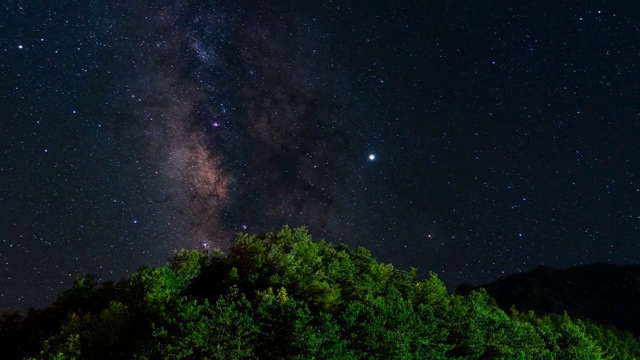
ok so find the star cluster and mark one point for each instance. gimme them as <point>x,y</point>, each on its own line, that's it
<point>471,140</point>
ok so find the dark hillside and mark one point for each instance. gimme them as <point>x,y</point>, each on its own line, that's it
<point>605,293</point>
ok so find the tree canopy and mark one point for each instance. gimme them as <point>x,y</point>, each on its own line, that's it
<point>284,296</point>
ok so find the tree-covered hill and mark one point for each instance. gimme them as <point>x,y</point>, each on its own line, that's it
<point>606,293</point>
<point>284,296</point>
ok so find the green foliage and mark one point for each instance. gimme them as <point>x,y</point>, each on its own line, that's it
<point>391,328</point>
<point>284,296</point>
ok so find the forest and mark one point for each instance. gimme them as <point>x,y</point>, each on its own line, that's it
<point>286,296</point>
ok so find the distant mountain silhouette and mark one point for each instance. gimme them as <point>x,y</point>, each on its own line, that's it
<point>604,293</point>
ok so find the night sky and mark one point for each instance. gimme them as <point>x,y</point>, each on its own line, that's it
<point>468,139</point>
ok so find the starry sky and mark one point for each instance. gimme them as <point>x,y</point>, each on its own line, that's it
<point>472,140</point>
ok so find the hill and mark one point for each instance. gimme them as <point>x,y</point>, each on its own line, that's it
<point>605,293</point>
<point>284,296</point>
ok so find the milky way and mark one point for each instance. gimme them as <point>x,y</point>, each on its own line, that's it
<point>204,84</point>
<point>168,100</point>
